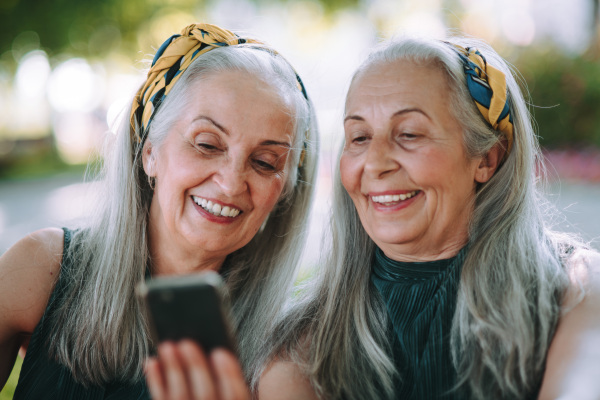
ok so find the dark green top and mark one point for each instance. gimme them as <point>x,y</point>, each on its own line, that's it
<point>420,298</point>
<point>44,378</point>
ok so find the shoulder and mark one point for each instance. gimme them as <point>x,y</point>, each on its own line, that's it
<point>583,292</point>
<point>574,353</point>
<point>28,272</point>
<point>285,379</point>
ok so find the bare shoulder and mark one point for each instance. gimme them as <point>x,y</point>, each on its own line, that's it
<point>590,259</point>
<point>574,354</point>
<point>284,379</point>
<point>28,272</point>
<point>584,290</point>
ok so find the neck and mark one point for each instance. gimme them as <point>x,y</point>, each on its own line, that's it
<point>168,257</point>
<point>419,253</point>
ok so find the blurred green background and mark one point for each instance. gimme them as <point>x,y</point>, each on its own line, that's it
<point>68,67</point>
<point>64,64</point>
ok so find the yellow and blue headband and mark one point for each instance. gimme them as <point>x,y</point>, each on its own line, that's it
<point>487,86</point>
<point>172,58</point>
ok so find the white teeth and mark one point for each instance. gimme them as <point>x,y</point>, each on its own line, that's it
<point>216,208</point>
<point>393,198</point>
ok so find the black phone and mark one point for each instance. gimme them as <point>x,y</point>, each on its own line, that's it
<point>188,306</point>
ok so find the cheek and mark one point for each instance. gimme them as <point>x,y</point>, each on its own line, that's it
<point>434,166</point>
<point>451,178</point>
<point>268,193</point>
<point>349,173</point>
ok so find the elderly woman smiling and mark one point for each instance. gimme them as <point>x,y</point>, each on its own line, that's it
<point>444,280</point>
<point>214,170</point>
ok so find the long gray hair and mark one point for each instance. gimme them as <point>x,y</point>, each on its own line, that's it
<point>512,281</point>
<point>99,330</point>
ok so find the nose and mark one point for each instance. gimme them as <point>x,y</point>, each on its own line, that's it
<point>379,160</point>
<point>232,177</point>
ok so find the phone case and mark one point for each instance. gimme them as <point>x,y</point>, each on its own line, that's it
<point>191,307</point>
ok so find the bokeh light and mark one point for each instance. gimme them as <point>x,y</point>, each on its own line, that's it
<point>78,135</point>
<point>75,86</point>
<point>28,107</point>
<point>518,26</point>
<point>32,75</point>
<point>325,42</point>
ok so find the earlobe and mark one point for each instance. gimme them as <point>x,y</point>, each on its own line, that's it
<point>148,159</point>
<point>489,163</point>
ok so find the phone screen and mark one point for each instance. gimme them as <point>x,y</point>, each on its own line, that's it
<point>189,307</point>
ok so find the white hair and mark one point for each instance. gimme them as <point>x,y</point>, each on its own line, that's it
<point>512,280</point>
<point>99,330</point>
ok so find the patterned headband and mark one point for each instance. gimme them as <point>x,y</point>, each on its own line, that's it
<point>487,86</point>
<point>172,58</point>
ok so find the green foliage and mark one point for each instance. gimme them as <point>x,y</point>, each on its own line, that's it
<point>9,389</point>
<point>566,95</point>
<point>333,5</point>
<point>34,164</point>
<point>93,28</point>
<point>82,27</point>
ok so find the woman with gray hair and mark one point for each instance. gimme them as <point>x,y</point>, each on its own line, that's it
<point>444,280</point>
<point>213,171</point>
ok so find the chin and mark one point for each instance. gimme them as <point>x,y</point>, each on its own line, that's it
<point>392,239</point>
<point>393,233</point>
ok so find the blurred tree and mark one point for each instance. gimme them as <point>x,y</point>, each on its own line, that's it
<point>91,28</point>
<point>82,27</point>
<point>566,95</point>
<point>594,49</point>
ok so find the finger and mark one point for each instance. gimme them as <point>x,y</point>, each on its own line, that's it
<point>155,379</point>
<point>230,378</point>
<point>173,371</point>
<point>200,376</point>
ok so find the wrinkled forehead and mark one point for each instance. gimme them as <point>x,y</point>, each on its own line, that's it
<point>383,77</point>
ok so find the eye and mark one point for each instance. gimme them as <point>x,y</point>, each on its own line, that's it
<point>408,136</point>
<point>207,147</point>
<point>268,162</point>
<point>409,140</point>
<point>357,138</point>
<point>360,139</point>
<point>264,166</point>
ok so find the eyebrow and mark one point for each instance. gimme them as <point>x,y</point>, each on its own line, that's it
<point>222,128</point>
<point>212,121</point>
<point>275,143</point>
<point>396,114</point>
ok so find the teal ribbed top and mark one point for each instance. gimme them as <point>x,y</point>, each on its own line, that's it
<point>420,298</point>
<point>43,378</point>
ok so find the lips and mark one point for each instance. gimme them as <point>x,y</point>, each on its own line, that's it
<point>215,208</point>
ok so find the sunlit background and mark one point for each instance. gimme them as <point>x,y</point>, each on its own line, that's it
<point>65,69</point>
<point>68,68</point>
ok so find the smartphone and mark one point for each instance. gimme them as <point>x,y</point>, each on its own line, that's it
<point>188,306</point>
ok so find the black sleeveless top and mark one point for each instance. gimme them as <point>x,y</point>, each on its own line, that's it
<point>43,378</point>
<point>420,299</point>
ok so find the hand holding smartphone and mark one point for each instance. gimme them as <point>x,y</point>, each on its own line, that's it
<point>188,306</point>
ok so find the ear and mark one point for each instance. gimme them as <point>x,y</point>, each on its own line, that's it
<point>148,159</point>
<point>490,162</point>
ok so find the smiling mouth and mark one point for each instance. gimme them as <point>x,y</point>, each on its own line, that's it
<point>390,199</point>
<point>216,208</point>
